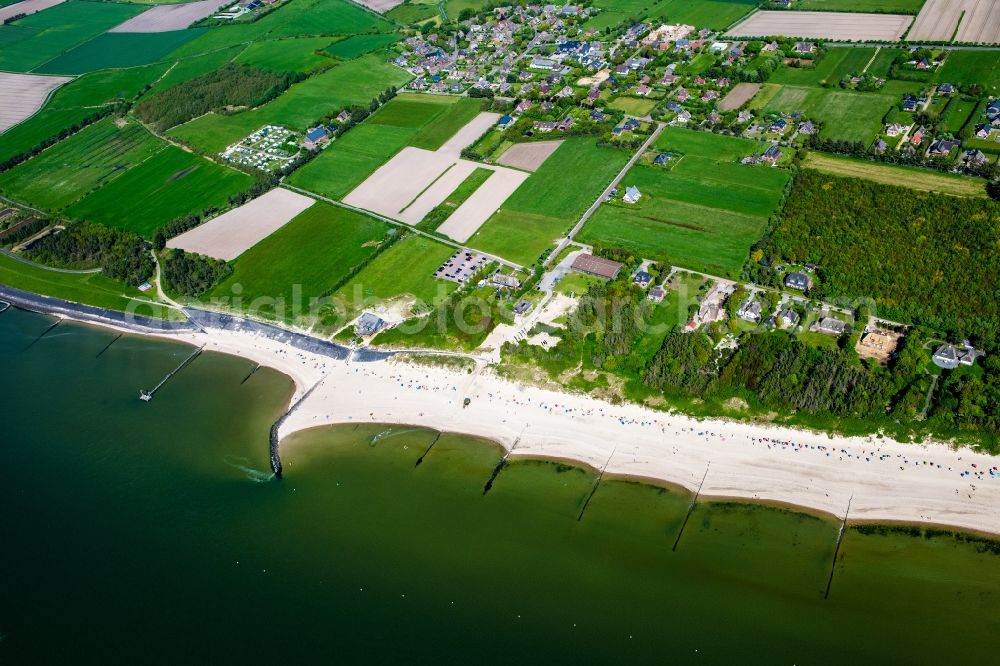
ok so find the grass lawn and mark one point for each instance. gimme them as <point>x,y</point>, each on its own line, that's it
<point>305,259</point>
<point>883,61</point>
<point>90,289</point>
<point>171,184</point>
<point>832,67</point>
<point>972,67</point>
<point>405,269</point>
<point>85,161</point>
<point>914,178</point>
<point>879,6</point>
<point>358,45</point>
<point>633,105</point>
<point>354,82</point>
<point>40,37</point>
<point>957,113</point>
<point>846,115</point>
<point>550,201</point>
<point>301,54</point>
<point>119,49</point>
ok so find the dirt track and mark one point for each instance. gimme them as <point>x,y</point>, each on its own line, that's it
<point>233,233</point>
<point>23,94</point>
<point>824,25</point>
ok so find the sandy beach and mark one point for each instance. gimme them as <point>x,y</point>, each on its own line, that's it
<point>880,479</point>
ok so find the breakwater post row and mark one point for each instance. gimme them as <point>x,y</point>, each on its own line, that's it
<point>424,454</point>
<point>146,396</point>
<point>43,334</point>
<point>274,439</point>
<point>597,484</point>
<point>500,465</point>
<point>108,346</point>
<point>694,503</point>
<point>836,551</point>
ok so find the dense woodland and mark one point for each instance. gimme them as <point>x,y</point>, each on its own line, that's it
<point>191,274</point>
<point>924,258</point>
<point>229,86</point>
<point>120,254</point>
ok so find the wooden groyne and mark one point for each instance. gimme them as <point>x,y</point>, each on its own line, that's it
<point>252,373</point>
<point>499,467</point>
<point>43,334</point>
<point>836,551</point>
<point>694,503</point>
<point>424,454</point>
<point>108,346</point>
<point>274,440</point>
<point>597,484</point>
<point>146,396</point>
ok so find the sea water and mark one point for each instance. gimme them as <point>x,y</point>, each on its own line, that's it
<point>139,532</point>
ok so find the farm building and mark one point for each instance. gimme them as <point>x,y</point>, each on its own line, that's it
<point>596,266</point>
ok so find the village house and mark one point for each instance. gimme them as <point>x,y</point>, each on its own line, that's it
<point>800,281</point>
<point>641,279</point>
<point>830,326</point>
<point>788,318</point>
<point>750,310</point>
<point>632,195</point>
<point>368,325</point>
<point>657,294</point>
<point>949,356</point>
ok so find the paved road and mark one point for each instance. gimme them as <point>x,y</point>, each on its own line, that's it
<point>397,223</point>
<point>69,271</point>
<point>607,191</point>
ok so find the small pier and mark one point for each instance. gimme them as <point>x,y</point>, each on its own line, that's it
<point>836,551</point>
<point>146,396</point>
<point>424,454</point>
<point>108,346</point>
<point>597,484</point>
<point>43,334</point>
<point>694,503</point>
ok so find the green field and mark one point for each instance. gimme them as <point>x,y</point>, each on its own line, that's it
<point>831,68</point>
<point>40,37</point>
<point>74,102</point>
<point>413,11</point>
<point>845,114</point>
<point>119,50</point>
<point>354,82</point>
<point>318,17</point>
<point>83,162</point>
<point>358,45</point>
<point>422,120</point>
<point>957,113</point>
<point>305,259</point>
<point>550,201</point>
<point>981,68</point>
<point>405,269</point>
<point>717,14</point>
<point>89,289</point>
<point>169,185</point>
<point>878,6</point>
<point>301,54</point>
<point>887,174</point>
<point>633,105</point>
<point>194,66</point>
<point>704,213</point>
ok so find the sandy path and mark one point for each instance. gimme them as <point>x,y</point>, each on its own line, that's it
<point>21,95</point>
<point>824,25</point>
<point>471,215</point>
<point>234,232</point>
<point>163,18</point>
<point>26,7</point>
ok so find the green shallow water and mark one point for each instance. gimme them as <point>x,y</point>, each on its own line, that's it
<point>151,533</point>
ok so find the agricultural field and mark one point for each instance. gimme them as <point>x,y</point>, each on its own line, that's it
<point>354,82</point>
<point>21,95</point>
<point>404,270</point>
<point>167,17</point>
<point>119,50</point>
<point>913,178</point>
<point>836,63</point>
<point>423,121</point>
<point>413,11</point>
<point>195,66</point>
<point>824,25</point>
<point>846,115</point>
<point>550,201</point>
<point>85,161</point>
<point>878,6</point>
<point>716,14</point>
<point>169,185</point>
<point>32,41</point>
<point>311,17</point>
<point>703,213</point>
<point>311,256</point>
<point>970,21</point>
<point>298,54</point>
<point>359,45</point>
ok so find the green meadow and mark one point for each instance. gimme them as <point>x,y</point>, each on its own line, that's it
<point>413,11</point>
<point>171,184</point>
<point>34,40</point>
<point>119,50</point>
<point>981,68</point>
<point>353,83</point>
<point>716,14</point>
<point>358,45</point>
<point>879,6</point>
<point>704,213</point>
<point>299,54</point>
<point>550,201</point>
<point>845,114</point>
<point>87,160</point>
<point>305,259</point>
